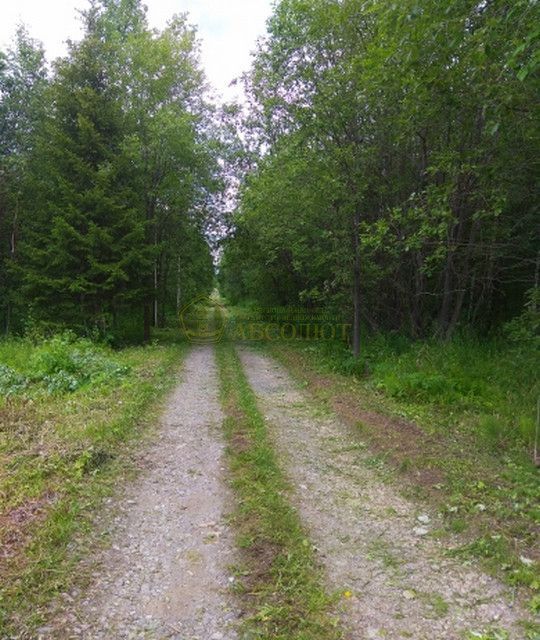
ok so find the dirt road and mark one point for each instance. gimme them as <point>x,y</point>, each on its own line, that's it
<point>166,574</point>
<point>376,546</point>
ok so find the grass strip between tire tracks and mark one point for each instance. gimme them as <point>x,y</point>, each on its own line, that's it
<point>279,580</point>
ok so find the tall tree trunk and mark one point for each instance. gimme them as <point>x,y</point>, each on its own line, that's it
<point>536,283</point>
<point>463,282</point>
<point>12,256</point>
<point>149,293</point>
<point>447,292</point>
<point>178,287</point>
<point>148,305</point>
<point>356,284</point>
<point>156,295</point>
<point>7,325</point>
<point>147,321</point>
<point>163,291</point>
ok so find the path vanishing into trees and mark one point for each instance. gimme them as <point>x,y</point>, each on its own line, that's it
<point>168,572</point>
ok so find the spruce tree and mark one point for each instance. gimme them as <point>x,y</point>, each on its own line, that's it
<point>84,242</point>
<point>120,175</point>
<point>23,79</point>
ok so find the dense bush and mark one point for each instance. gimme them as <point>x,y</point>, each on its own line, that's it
<point>60,364</point>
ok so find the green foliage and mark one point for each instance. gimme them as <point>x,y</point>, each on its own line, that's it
<point>525,329</point>
<point>494,382</point>
<point>418,386</point>
<point>495,634</point>
<point>107,175</point>
<point>10,381</point>
<point>85,441</point>
<point>64,363</point>
<point>60,364</point>
<point>497,382</point>
<point>494,429</point>
<point>23,82</point>
<point>395,167</point>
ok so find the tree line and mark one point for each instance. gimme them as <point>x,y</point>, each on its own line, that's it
<point>108,174</point>
<point>392,153</point>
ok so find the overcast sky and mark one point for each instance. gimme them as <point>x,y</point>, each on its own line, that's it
<point>228,29</point>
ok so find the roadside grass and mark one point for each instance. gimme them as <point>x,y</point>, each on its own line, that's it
<point>67,436</point>
<point>425,407</point>
<point>279,579</point>
<point>494,381</point>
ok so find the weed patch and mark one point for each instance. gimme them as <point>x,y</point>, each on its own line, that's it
<point>60,364</point>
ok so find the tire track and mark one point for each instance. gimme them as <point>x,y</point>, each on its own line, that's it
<point>374,544</point>
<point>166,572</point>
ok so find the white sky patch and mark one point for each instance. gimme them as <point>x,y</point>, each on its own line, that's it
<point>228,30</point>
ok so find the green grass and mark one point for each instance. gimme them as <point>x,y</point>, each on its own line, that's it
<point>16,353</point>
<point>494,381</point>
<point>279,580</point>
<point>58,364</point>
<point>474,404</point>
<point>62,450</point>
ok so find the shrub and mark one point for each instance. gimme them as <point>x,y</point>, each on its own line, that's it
<point>59,364</point>
<point>65,363</point>
<point>10,381</point>
<point>417,385</point>
<point>525,329</point>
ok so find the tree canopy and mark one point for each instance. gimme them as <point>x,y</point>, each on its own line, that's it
<point>108,166</point>
<point>383,167</point>
<point>396,179</point>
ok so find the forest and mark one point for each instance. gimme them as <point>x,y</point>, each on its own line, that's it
<point>385,165</point>
<point>108,177</point>
<point>180,454</point>
<point>393,173</point>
